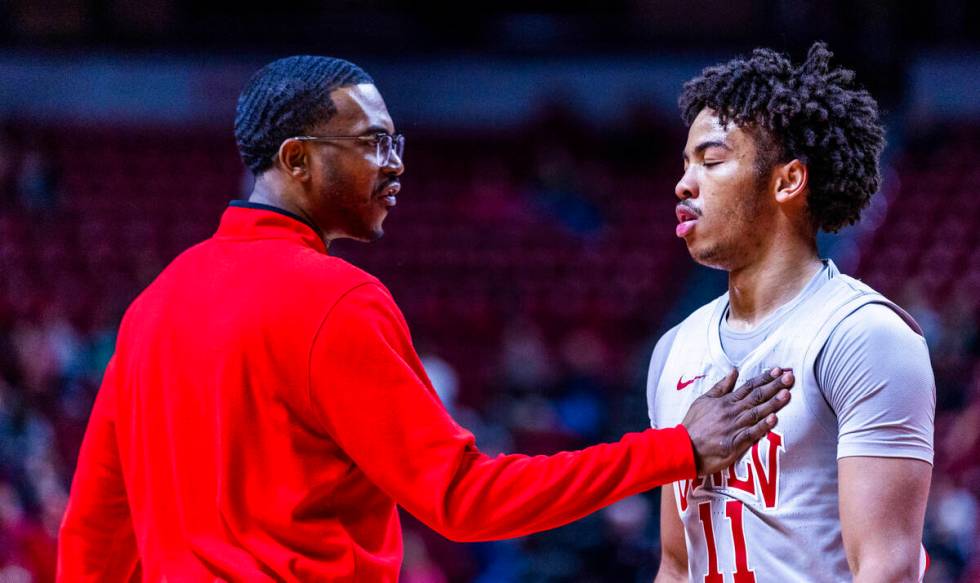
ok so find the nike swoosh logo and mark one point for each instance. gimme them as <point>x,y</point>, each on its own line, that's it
<point>682,384</point>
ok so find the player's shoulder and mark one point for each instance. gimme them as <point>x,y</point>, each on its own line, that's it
<point>875,314</point>
<point>696,318</point>
<point>658,360</point>
<point>878,321</point>
<point>873,346</point>
<point>662,349</point>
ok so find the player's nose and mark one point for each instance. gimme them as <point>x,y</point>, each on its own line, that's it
<point>687,186</point>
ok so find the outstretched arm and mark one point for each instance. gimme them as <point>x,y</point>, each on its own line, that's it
<point>374,399</point>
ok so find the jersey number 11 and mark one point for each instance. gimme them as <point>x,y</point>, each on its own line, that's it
<point>733,511</point>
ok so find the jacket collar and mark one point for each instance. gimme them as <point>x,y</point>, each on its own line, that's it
<point>251,220</point>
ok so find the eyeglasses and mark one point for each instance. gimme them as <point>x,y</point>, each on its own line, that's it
<point>384,144</point>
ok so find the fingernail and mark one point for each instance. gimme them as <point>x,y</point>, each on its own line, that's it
<point>787,378</point>
<point>771,420</point>
<point>775,372</point>
<point>783,395</point>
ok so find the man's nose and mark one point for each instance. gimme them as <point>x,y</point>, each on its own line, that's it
<point>686,187</point>
<point>395,164</point>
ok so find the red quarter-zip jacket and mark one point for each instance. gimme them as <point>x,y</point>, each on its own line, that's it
<point>264,414</point>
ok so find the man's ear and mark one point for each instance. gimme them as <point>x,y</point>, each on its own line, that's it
<point>293,159</point>
<point>792,179</point>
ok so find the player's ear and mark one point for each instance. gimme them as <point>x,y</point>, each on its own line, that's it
<point>792,179</point>
<point>293,159</point>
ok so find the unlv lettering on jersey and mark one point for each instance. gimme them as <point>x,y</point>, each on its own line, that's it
<point>756,474</point>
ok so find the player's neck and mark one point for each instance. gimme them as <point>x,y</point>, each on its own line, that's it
<point>759,288</point>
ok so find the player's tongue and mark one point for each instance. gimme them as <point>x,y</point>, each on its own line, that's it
<point>684,228</point>
<point>687,220</point>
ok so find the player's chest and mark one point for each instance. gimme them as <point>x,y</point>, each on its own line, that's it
<point>805,435</point>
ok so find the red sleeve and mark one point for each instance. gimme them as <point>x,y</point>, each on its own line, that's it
<point>373,397</point>
<point>96,542</point>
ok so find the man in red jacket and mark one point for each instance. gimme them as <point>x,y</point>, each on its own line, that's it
<point>265,410</point>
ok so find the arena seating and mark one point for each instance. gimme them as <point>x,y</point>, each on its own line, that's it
<point>486,233</point>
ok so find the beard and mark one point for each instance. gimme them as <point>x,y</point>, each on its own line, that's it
<point>354,214</point>
<point>363,223</point>
<point>740,232</point>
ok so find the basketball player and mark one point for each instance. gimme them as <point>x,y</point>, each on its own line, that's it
<point>776,152</point>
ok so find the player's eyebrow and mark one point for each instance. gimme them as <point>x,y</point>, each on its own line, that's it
<point>700,148</point>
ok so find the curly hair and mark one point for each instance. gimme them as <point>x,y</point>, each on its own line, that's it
<point>286,98</point>
<point>813,113</point>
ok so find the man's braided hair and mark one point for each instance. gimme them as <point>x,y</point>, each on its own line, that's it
<point>813,113</point>
<point>287,98</point>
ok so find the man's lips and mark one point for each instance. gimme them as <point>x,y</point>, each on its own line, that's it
<point>687,219</point>
<point>388,193</point>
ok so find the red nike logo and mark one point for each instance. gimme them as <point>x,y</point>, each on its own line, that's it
<point>682,384</point>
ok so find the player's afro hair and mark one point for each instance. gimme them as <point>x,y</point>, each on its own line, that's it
<point>813,113</point>
<point>287,98</point>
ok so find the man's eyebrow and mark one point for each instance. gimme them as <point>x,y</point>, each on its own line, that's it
<point>708,144</point>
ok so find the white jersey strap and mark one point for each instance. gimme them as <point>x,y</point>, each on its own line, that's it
<point>924,561</point>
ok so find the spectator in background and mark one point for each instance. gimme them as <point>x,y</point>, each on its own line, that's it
<point>419,567</point>
<point>37,180</point>
<point>582,393</point>
<point>629,539</point>
<point>8,168</point>
<point>525,360</point>
<point>556,187</point>
<point>27,549</point>
<point>444,379</point>
<point>951,529</point>
<point>492,198</point>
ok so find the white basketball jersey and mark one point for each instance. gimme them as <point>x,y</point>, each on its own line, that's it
<point>773,516</point>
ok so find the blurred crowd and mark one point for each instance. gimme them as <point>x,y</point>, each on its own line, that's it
<point>49,371</point>
<point>951,535</point>
<point>525,354</point>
